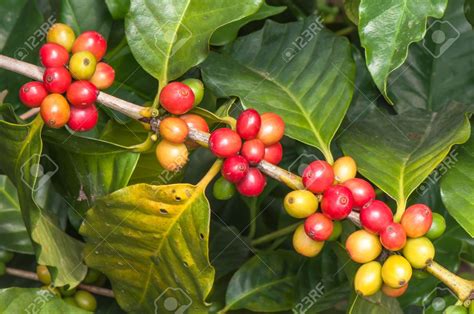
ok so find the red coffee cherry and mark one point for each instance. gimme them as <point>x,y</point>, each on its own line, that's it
<point>318,227</point>
<point>393,238</point>
<point>104,76</point>
<point>417,220</point>
<point>32,94</point>
<point>83,119</point>
<point>177,98</point>
<point>375,216</point>
<point>235,168</point>
<point>272,128</point>
<point>82,94</point>
<point>57,80</point>
<point>248,124</point>
<point>224,143</point>
<point>337,202</point>
<point>91,41</point>
<point>196,122</point>
<point>318,176</point>
<point>362,191</point>
<point>253,151</point>
<point>55,110</point>
<point>252,184</point>
<point>273,153</point>
<point>53,55</point>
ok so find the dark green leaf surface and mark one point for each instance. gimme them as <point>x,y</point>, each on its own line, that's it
<point>118,8</point>
<point>168,38</point>
<point>228,33</point>
<point>436,74</point>
<point>379,303</point>
<point>457,187</point>
<point>13,234</point>
<point>265,283</point>
<point>21,148</point>
<point>34,300</point>
<point>309,87</point>
<point>152,243</point>
<point>86,15</point>
<point>408,146</point>
<point>386,29</point>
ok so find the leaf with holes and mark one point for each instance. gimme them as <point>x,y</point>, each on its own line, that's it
<point>409,147</point>
<point>169,37</point>
<point>387,28</point>
<point>152,243</point>
<point>310,88</point>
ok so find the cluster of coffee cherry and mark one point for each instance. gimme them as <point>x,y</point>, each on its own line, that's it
<point>340,192</point>
<point>79,76</point>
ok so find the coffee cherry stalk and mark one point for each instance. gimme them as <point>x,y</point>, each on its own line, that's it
<point>250,152</point>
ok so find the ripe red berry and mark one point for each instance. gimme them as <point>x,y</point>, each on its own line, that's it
<point>417,220</point>
<point>252,184</point>
<point>248,124</point>
<point>56,80</point>
<point>32,94</point>
<point>91,41</point>
<point>177,98</point>
<point>362,191</point>
<point>318,227</point>
<point>82,94</point>
<point>83,119</point>
<point>393,238</point>
<point>375,216</point>
<point>253,151</point>
<point>224,143</point>
<point>318,176</point>
<point>104,76</point>
<point>337,202</point>
<point>235,168</point>
<point>273,153</point>
<point>272,128</point>
<point>53,55</point>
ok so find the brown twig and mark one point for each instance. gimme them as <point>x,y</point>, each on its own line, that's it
<point>29,113</point>
<point>32,276</point>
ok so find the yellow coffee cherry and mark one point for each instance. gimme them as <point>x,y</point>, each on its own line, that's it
<point>304,245</point>
<point>419,252</point>
<point>368,279</point>
<point>300,203</point>
<point>396,271</point>
<point>345,168</point>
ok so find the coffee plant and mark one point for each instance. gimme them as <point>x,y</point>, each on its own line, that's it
<point>214,156</point>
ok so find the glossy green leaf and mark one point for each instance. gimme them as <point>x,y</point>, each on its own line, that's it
<point>86,15</point>
<point>13,234</point>
<point>408,148</point>
<point>379,303</point>
<point>351,8</point>
<point>457,187</point>
<point>118,8</point>
<point>229,32</point>
<point>169,37</point>
<point>435,74</point>
<point>297,70</point>
<point>387,28</point>
<point>34,300</point>
<point>152,243</point>
<point>265,283</point>
<point>22,149</point>
<point>469,10</point>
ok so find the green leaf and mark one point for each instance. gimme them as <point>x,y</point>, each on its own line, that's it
<point>376,304</point>
<point>309,87</point>
<point>168,38</point>
<point>22,150</point>
<point>34,300</point>
<point>265,283</point>
<point>387,28</point>
<point>13,234</point>
<point>457,187</point>
<point>469,10</point>
<point>86,15</point>
<point>408,148</point>
<point>229,32</point>
<point>152,243</point>
<point>118,8</point>
<point>436,74</point>
<point>351,8</point>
